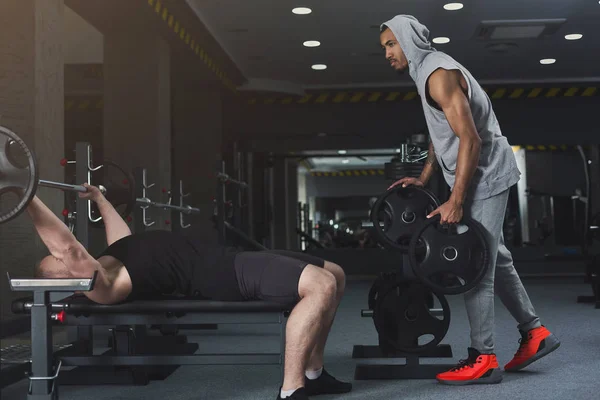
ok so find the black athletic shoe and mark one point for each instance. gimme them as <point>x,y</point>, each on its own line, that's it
<point>299,394</point>
<point>326,384</point>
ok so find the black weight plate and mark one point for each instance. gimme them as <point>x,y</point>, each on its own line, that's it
<point>378,285</point>
<point>18,175</point>
<point>450,259</point>
<point>402,316</point>
<point>397,213</point>
<point>397,169</point>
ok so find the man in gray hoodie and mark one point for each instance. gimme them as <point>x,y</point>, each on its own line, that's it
<point>479,165</point>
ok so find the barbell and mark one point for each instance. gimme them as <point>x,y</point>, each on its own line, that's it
<point>19,177</point>
<point>66,186</point>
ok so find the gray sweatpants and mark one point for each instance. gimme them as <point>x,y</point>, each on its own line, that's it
<point>501,279</point>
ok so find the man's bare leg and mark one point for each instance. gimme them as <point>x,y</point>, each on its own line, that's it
<point>317,290</point>
<point>317,355</point>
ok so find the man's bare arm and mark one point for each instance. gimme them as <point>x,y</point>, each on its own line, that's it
<point>446,91</point>
<point>115,227</point>
<point>54,233</point>
<point>430,165</point>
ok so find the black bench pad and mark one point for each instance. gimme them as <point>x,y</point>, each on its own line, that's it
<point>81,304</point>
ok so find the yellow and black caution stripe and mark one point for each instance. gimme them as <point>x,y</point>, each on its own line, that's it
<point>350,97</point>
<point>547,147</point>
<point>178,29</point>
<point>350,173</point>
<point>534,93</point>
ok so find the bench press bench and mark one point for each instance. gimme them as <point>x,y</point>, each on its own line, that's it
<point>130,344</point>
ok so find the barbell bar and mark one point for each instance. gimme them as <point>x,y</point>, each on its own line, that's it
<point>67,187</point>
<point>146,202</point>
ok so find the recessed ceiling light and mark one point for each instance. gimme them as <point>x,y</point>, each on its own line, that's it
<point>301,10</point>
<point>342,152</point>
<point>547,61</point>
<point>345,161</point>
<point>453,6</point>
<point>441,40</point>
<point>312,43</point>
<point>574,36</point>
<point>319,67</point>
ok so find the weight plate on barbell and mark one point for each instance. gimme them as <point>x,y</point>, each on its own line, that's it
<point>18,175</point>
<point>397,213</point>
<point>450,259</point>
<point>404,321</point>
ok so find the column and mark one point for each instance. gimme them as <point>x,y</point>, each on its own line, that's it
<point>31,105</point>
<point>137,107</point>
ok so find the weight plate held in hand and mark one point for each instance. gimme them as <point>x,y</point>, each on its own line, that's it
<point>450,259</point>
<point>404,321</point>
<point>397,213</point>
<point>18,175</point>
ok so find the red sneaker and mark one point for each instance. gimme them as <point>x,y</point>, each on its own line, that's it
<point>534,345</point>
<point>478,368</point>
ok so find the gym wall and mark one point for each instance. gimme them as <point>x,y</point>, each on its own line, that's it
<point>282,128</point>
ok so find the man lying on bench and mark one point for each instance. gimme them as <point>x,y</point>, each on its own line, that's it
<point>162,262</point>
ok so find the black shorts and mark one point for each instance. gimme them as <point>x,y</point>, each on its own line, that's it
<point>272,275</point>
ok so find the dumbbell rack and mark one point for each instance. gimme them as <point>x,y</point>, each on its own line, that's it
<point>413,368</point>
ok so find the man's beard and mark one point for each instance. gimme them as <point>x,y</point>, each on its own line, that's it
<point>401,71</point>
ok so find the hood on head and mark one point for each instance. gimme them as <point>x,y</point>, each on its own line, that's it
<point>413,38</point>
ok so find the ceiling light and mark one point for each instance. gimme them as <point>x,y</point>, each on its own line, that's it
<point>574,36</point>
<point>345,161</point>
<point>319,67</point>
<point>453,6</point>
<point>312,43</point>
<point>547,61</point>
<point>441,40</point>
<point>342,152</point>
<point>301,10</point>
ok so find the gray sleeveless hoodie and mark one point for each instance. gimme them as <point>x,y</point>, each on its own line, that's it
<point>497,169</point>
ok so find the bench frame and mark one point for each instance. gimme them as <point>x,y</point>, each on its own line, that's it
<point>129,336</point>
<point>139,320</point>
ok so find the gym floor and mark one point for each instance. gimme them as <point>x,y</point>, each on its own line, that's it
<point>570,372</point>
